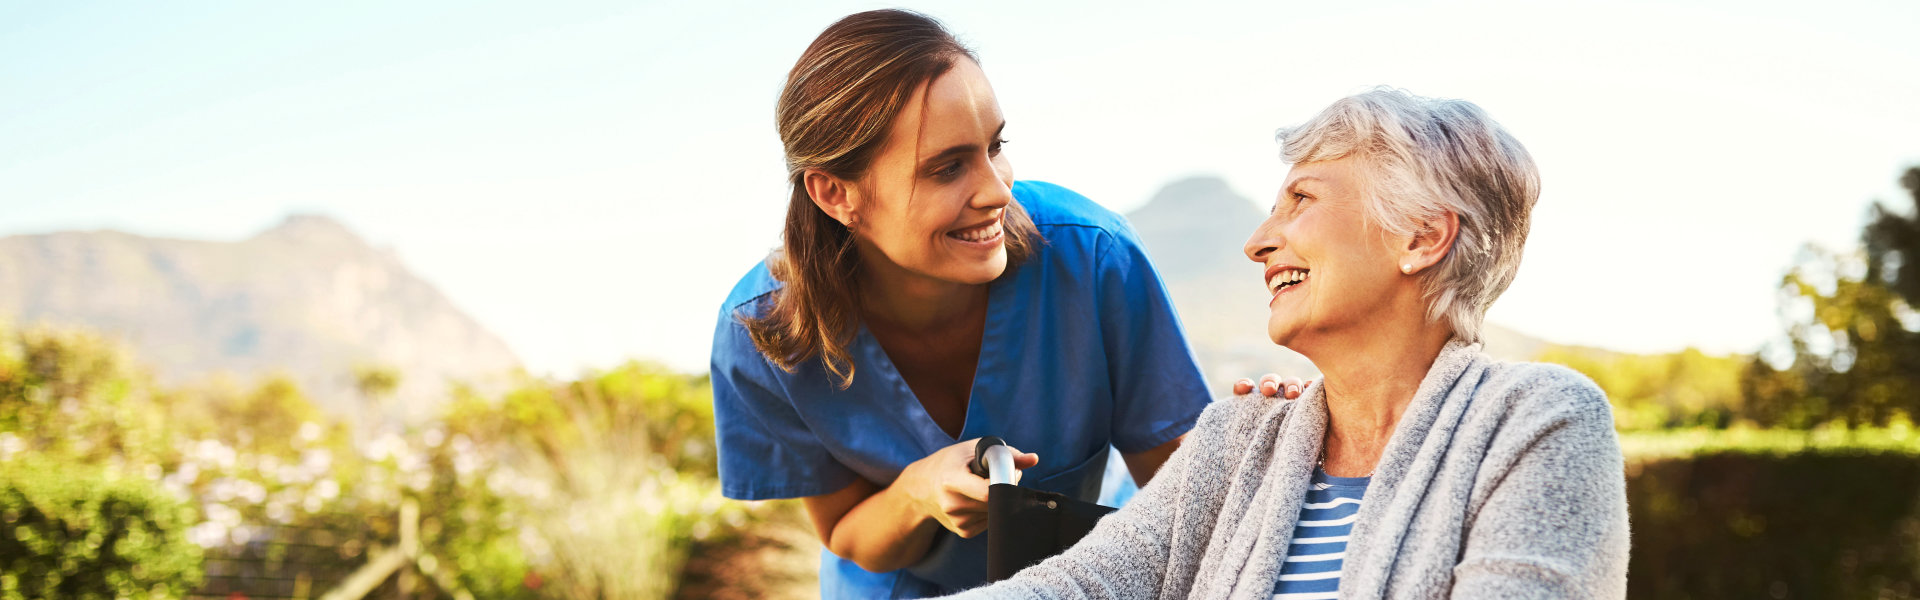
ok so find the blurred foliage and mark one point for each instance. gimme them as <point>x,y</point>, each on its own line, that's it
<point>80,533</point>
<point>591,488</point>
<point>1900,437</point>
<point>618,470</point>
<point>1656,391</point>
<point>375,381</point>
<point>73,394</point>
<point>1853,337</point>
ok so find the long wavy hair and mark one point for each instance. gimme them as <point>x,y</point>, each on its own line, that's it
<point>840,100</point>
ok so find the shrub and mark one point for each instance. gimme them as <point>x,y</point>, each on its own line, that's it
<point>616,471</point>
<point>67,531</point>
<point>1829,523</point>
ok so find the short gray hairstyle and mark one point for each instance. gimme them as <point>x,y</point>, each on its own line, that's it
<point>1424,157</point>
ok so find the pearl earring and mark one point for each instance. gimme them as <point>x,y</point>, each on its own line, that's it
<point>1408,269</point>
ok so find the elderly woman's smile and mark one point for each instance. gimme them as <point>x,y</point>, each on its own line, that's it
<point>1284,278</point>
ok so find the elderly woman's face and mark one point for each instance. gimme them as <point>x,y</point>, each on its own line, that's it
<point>1325,264</point>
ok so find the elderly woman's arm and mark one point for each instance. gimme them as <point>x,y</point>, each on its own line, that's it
<point>1555,524</point>
<point>1125,556</point>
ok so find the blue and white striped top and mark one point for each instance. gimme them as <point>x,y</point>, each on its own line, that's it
<point>1319,546</point>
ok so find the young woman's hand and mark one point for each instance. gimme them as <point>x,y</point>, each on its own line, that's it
<point>942,487</point>
<point>1271,386</point>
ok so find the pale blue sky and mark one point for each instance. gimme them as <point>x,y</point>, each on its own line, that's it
<point>588,179</point>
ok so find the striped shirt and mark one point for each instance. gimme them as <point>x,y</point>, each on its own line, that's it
<point>1319,546</point>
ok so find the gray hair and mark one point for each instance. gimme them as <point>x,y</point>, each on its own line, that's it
<point>1422,158</point>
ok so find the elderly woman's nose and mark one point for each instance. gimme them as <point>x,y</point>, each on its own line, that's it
<point>1260,245</point>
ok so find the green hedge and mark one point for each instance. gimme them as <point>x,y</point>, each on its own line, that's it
<point>1817,524</point>
<point>68,531</point>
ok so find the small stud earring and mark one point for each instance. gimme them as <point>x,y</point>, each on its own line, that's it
<point>1408,269</point>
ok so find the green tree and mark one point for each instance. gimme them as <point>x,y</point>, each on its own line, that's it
<point>1851,331</point>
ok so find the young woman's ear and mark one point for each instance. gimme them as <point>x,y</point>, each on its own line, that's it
<point>1430,242</point>
<point>833,195</point>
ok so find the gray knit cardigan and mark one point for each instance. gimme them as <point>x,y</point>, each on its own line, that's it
<point>1502,480</point>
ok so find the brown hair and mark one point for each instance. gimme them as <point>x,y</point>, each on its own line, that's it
<point>840,100</point>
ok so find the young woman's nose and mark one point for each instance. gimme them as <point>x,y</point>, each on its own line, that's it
<point>996,191</point>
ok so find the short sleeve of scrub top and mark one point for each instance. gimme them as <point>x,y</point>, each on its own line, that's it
<point>1082,352</point>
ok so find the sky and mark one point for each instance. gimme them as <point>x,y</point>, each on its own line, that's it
<point>588,179</point>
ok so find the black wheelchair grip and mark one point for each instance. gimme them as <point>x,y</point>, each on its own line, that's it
<point>979,464</point>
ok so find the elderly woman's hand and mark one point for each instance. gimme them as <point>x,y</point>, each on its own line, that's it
<point>1272,386</point>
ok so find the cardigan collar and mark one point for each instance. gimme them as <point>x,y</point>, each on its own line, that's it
<point>1410,460</point>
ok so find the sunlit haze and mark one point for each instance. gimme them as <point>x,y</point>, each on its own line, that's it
<point>589,179</point>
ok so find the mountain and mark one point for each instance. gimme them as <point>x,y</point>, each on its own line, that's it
<point>1194,229</point>
<point>307,298</point>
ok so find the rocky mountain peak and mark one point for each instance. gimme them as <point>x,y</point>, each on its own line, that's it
<point>1196,225</point>
<point>308,297</point>
<point>1203,195</point>
<point>311,228</point>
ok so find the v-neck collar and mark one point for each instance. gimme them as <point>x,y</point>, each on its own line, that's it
<point>1271,508</point>
<point>912,414</point>
<point>1414,453</point>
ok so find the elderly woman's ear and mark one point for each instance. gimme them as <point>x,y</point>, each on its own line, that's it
<point>1430,243</point>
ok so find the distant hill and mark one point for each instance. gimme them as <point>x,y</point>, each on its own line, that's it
<point>1194,229</point>
<point>308,298</point>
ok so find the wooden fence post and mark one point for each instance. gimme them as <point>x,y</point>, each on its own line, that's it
<point>407,558</point>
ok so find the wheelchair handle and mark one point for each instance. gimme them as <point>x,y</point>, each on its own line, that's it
<point>993,459</point>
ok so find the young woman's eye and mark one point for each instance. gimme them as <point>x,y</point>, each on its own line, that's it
<point>948,170</point>
<point>994,148</point>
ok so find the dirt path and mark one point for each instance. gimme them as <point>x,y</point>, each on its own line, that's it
<point>776,558</point>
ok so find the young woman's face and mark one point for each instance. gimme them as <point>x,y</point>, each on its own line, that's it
<point>1325,264</point>
<point>932,201</point>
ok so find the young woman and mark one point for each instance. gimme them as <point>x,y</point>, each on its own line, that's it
<point>922,299</point>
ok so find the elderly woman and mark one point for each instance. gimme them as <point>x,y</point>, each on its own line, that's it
<point>1417,467</point>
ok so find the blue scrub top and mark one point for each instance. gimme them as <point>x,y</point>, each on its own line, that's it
<point>1082,351</point>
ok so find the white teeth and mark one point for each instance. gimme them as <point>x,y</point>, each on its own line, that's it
<point>980,234</point>
<point>1286,277</point>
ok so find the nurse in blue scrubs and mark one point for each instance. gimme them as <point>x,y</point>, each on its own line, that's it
<point>924,298</point>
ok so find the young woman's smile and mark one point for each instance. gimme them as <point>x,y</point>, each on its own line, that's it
<point>984,236</point>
